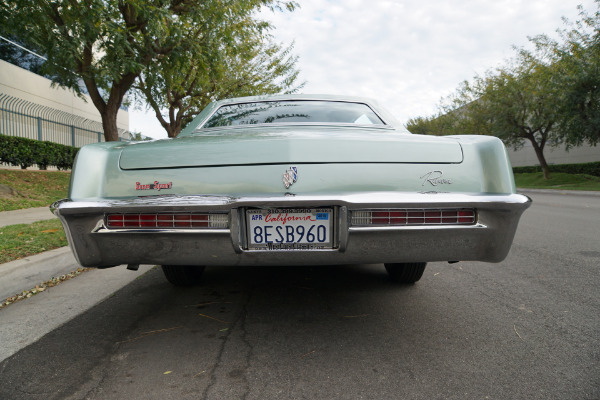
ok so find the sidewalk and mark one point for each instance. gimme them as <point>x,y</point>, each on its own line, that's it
<point>20,322</point>
<point>24,274</point>
<point>25,216</point>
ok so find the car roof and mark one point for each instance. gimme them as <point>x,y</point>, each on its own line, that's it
<point>280,97</point>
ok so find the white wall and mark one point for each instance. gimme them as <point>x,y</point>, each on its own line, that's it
<point>26,85</point>
<point>554,155</point>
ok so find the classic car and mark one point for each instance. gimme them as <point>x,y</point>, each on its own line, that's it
<point>292,180</point>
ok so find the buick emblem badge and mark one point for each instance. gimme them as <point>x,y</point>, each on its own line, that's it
<point>290,176</point>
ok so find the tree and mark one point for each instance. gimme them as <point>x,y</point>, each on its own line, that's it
<point>515,103</point>
<point>440,124</point>
<point>109,43</point>
<point>576,56</point>
<point>548,96</point>
<point>248,65</point>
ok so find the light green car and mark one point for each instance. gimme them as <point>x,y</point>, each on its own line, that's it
<point>292,180</point>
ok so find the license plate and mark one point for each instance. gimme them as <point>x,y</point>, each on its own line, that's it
<point>290,229</point>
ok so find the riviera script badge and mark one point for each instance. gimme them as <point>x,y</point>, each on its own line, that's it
<point>435,179</point>
<point>290,176</point>
<point>153,186</point>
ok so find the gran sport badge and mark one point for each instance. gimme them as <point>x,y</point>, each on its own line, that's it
<point>156,185</point>
<point>290,176</point>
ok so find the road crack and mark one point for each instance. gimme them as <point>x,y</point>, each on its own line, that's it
<point>233,358</point>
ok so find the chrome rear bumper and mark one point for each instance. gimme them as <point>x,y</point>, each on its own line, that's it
<point>94,245</point>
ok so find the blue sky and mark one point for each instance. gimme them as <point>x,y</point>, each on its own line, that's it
<point>407,54</point>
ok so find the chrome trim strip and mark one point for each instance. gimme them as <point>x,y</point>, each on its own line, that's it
<point>311,124</point>
<point>343,232</point>
<point>174,203</point>
<point>238,227</point>
<point>413,227</point>
<point>207,231</point>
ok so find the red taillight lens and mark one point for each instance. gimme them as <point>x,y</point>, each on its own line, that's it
<point>114,221</point>
<point>389,217</point>
<point>395,217</point>
<point>164,220</point>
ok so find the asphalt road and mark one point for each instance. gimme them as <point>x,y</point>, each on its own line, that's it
<point>527,328</point>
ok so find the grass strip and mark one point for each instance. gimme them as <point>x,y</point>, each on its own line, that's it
<point>22,240</point>
<point>558,180</point>
<point>35,188</point>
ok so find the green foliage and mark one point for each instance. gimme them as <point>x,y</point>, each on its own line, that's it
<point>515,103</point>
<point>583,168</point>
<point>107,44</point>
<point>559,181</point>
<point>576,59</point>
<point>548,96</point>
<point>24,152</point>
<point>443,124</point>
<point>235,60</point>
<point>426,125</point>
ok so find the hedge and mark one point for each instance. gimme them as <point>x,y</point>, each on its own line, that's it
<point>592,168</point>
<point>24,152</point>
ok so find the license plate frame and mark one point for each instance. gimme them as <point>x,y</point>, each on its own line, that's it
<point>276,229</point>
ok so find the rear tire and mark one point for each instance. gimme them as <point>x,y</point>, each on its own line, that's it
<point>405,272</point>
<point>183,275</point>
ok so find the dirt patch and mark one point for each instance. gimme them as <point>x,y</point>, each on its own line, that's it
<point>7,191</point>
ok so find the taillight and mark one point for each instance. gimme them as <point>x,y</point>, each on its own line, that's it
<point>404,217</point>
<point>166,220</point>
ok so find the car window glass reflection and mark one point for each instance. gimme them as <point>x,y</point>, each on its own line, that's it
<point>293,112</point>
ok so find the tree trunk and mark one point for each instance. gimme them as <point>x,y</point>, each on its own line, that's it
<point>174,129</point>
<point>539,152</point>
<point>109,124</point>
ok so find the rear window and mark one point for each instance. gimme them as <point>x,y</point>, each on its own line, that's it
<point>297,111</point>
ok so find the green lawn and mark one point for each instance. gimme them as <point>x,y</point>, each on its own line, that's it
<point>557,180</point>
<point>22,240</point>
<point>35,188</point>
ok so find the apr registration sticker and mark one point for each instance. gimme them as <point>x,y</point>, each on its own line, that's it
<point>289,229</point>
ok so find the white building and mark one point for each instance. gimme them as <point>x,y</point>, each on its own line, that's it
<point>554,155</point>
<point>30,107</point>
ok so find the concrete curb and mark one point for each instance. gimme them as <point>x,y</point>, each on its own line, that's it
<point>24,274</point>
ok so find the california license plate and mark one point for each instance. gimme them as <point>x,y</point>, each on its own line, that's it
<point>290,229</point>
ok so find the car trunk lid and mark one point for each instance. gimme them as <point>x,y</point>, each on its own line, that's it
<point>300,145</point>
